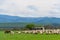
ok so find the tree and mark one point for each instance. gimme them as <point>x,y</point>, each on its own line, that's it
<point>30,26</point>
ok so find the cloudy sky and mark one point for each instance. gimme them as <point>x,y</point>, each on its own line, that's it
<point>30,8</point>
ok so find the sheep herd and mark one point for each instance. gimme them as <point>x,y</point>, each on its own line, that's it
<point>26,32</point>
<point>48,31</point>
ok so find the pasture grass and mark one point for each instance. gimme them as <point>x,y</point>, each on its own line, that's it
<point>22,36</point>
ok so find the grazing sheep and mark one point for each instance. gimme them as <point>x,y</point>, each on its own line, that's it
<point>25,31</point>
<point>50,31</point>
<point>41,32</point>
<point>55,31</point>
<point>47,32</point>
<point>58,31</point>
<point>8,31</point>
<point>18,32</point>
<point>29,31</point>
<point>12,32</point>
<point>35,32</point>
<point>22,32</point>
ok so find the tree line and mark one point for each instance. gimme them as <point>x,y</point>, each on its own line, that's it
<point>17,26</point>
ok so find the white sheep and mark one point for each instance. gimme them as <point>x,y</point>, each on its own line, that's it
<point>12,32</point>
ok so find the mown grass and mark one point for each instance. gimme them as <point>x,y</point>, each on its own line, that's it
<point>15,36</point>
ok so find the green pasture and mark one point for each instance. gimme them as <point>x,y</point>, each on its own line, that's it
<point>22,36</point>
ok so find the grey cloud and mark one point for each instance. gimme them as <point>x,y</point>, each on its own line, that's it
<point>32,7</point>
<point>27,7</point>
<point>2,2</point>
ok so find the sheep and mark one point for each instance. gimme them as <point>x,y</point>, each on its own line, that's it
<point>11,32</point>
<point>58,31</point>
<point>55,31</point>
<point>41,32</point>
<point>35,32</point>
<point>18,32</point>
<point>29,32</point>
<point>24,31</point>
<point>47,32</point>
<point>8,31</point>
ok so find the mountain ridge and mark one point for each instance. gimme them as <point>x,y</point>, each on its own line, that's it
<point>43,20</point>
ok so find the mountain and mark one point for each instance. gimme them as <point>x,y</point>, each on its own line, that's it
<point>42,20</point>
<point>6,18</point>
<point>51,20</point>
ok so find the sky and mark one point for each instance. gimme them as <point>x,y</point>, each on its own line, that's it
<point>30,8</point>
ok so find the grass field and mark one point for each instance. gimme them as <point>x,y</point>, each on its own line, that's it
<point>28,36</point>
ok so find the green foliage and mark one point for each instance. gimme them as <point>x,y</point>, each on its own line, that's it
<point>12,24</point>
<point>30,26</point>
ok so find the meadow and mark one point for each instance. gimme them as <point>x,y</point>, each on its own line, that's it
<point>23,36</point>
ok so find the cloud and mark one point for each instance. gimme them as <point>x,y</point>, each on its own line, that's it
<point>30,8</point>
<point>1,2</point>
<point>55,11</point>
